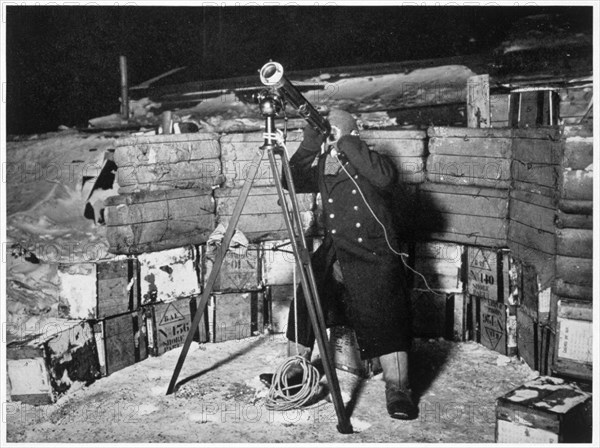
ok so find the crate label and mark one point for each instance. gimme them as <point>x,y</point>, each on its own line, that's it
<point>493,325</point>
<point>239,270</point>
<point>575,340</point>
<point>173,327</point>
<point>511,432</point>
<point>482,272</point>
<point>544,298</point>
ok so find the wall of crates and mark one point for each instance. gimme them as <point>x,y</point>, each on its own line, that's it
<point>497,223</point>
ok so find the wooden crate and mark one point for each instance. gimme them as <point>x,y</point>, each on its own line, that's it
<point>98,290</point>
<point>168,324</point>
<point>278,263</point>
<point>239,272</point>
<point>535,300</point>
<point>534,108</point>
<point>167,162</point>
<point>346,354</point>
<point>544,410</point>
<point>28,379</point>
<point>469,156</point>
<point>169,275</point>
<point>121,341</point>
<point>494,325</point>
<point>439,315</point>
<point>238,316</point>
<point>574,340</point>
<point>262,216</point>
<point>149,221</point>
<point>441,265</point>
<point>405,149</point>
<point>72,356</point>
<point>488,273</point>
<point>535,343</point>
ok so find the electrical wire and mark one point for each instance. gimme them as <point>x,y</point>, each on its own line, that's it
<point>400,254</point>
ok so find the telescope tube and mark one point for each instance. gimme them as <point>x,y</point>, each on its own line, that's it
<point>271,75</point>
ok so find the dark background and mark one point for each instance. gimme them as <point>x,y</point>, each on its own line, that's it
<point>63,62</point>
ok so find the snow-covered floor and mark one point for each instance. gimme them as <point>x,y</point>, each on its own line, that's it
<point>222,400</point>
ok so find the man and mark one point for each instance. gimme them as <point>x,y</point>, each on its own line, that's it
<point>358,270</point>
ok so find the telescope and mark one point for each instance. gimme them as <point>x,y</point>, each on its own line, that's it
<point>272,75</point>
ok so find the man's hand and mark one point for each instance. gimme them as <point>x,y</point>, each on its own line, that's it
<point>313,139</point>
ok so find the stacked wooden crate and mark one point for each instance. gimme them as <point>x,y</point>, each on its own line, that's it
<point>491,276</point>
<point>165,192</point>
<point>437,293</point>
<point>572,289</point>
<point>236,309</point>
<point>466,197</point>
<point>261,218</point>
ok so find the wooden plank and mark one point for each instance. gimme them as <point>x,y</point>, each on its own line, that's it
<point>531,237</point>
<point>538,174</point>
<point>472,133</point>
<point>493,147</point>
<point>168,275</point>
<point>194,174</point>
<point>163,149</point>
<point>576,310</point>
<point>239,271</point>
<point>478,101</point>
<point>473,226</point>
<point>527,339</point>
<point>537,151</point>
<point>159,235</point>
<point>393,136</point>
<point>482,171</point>
<point>460,238</point>
<point>464,190</point>
<point>532,215</point>
<point>143,197</point>
<point>571,291</point>
<point>537,189</point>
<point>577,185</point>
<point>578,271</point>
<point>170,210</point>
<point>580,130</point>
<point>492,324</point>
<point>118,287</point>
<point>574,342</point>
<point>478,205</point>
<point>579,153</point>
<point>574,206</point>
<point>575,242</point>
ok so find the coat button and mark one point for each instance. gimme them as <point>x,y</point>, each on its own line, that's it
<point>356,176</point>
<point>360,240</point>
<point>356,207</point>
<point>332,215</point>
<point>330,200</point>
<point>357,225</point>
<point>333,231</point>
<point>353,191</point>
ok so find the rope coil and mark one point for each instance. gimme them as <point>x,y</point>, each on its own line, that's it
<point>283,396</point>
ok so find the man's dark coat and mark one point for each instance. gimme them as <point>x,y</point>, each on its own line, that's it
<point>374,298</point>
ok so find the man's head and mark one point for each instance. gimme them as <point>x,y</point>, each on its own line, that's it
<point>342,123</point>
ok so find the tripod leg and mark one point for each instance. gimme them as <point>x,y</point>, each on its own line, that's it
<point>223,248</point>
<point>309,286</point>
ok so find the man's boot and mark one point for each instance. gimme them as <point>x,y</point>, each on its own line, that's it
<point>397,391</point>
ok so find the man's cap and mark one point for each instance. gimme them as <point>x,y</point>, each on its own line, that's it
<point>343,120</point>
